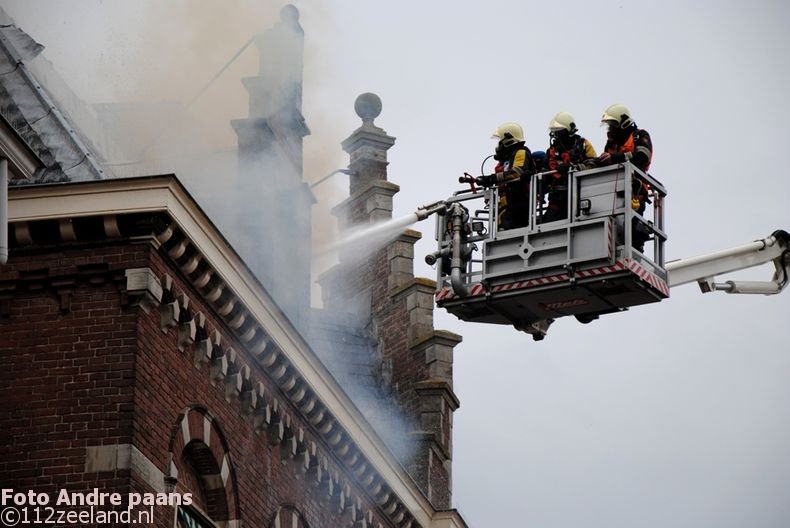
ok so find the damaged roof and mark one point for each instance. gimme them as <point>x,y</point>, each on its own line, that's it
<point>31,110</point>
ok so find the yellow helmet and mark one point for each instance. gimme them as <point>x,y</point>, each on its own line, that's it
<point>617,114</point>
<point>562,121</point>
<point>509,134</point>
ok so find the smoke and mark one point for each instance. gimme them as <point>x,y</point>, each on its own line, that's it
<point>208,36</point>
<point>178,112</point>
<point>354,357</point>
<point>156,94</point>
<point>149,97</point>
<point>182,46</point>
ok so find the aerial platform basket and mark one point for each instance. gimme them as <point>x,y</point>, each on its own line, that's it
<point>584,266</point>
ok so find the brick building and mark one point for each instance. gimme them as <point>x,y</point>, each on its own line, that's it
<point>142,353</point>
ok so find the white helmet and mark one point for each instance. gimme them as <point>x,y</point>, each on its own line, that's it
<point>509,134</point>
<point>562,121</point>
<point>618,115</point>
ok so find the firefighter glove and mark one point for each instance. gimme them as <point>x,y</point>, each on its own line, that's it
<point>562,168</point>
<point>621,157</point>
<point>488,180</point>
<point>605,158</point>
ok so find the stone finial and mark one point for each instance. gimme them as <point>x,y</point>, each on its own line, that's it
<point>367,147</point>
<point>368,107</point>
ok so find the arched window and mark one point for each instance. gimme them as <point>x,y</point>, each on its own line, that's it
<point>287,516</point>
<point>201,465</point>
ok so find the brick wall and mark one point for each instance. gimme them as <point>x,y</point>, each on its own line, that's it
<point>82,368</point>
<point>67,360</point>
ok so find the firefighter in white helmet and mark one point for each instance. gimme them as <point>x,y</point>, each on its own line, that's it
<point>512,174</point>
<point>627,142</point>
<point>567,151</point>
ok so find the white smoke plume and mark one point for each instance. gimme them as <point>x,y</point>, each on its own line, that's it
<point>162,105</point>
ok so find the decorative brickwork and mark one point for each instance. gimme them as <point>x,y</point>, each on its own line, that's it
<point>401,309</point>
<point>201,459</point>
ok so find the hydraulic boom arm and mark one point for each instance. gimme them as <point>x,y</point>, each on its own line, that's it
<point>704,269</point>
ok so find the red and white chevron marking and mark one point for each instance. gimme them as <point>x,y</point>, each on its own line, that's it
<point>553,279</point>
<point>648,277</point>
<point>478,289</point>
<point>444,294</point>
<point>594,272</point>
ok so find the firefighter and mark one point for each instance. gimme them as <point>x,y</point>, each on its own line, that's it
<point>627,142</point>
<point>512,174</point>
<point>567,150</point>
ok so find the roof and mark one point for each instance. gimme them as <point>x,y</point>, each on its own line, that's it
<point>31,110</point>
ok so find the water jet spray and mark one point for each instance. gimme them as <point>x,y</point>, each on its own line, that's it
<point>379,234</point>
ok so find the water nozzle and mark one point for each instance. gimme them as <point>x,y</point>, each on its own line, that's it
<point>427,210</point>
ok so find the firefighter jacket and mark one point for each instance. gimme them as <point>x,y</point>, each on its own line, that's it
<point>634,141</point>
<point>634,144</point>
<point>513,174</point>
<point>561,154</point>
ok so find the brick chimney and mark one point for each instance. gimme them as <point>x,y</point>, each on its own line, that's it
<point>416,357</point>
<point>273,229</point>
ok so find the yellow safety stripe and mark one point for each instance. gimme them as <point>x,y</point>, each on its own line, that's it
<point>589,150</point>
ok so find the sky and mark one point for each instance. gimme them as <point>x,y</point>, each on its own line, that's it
<point>673,414</point>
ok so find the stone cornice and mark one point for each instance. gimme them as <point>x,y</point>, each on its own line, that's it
<point>417,283</point>
<point>371,189</point>
<point>444,337</point>
<point>206,259</point>
<point>368,135</point>
<point>441,388</point>
<point>410,235</point>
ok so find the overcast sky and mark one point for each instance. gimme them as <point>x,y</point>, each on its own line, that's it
<point>674,414</point>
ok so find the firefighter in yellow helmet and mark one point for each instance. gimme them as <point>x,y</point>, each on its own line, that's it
<point>627,142</point>
<point>567,150</point>
<point>512,174</point>
<point>624,140</point>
